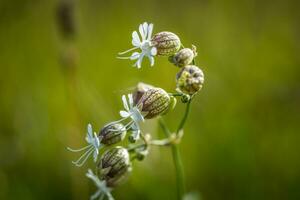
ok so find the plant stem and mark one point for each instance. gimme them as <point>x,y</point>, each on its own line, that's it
<point>194,61</point>
<point>186,113</point>
<point>176,94</point>
<point>176,154</point>
<point>177,162</point>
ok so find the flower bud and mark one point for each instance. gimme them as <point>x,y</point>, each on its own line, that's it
<point>190,79</point>
<point>140,155</point>
<point>114,165</point>
<point>154,102</point>
<point>183,57</point>
<point>166,43</point>
<point>112,133</point>
<point>131,138</point>
<point>141,88</point>
<point>185,98</point>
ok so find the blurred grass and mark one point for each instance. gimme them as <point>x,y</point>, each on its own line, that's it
<point>241,140</point>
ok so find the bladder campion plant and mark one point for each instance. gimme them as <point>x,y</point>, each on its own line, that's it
<point>146,102</point>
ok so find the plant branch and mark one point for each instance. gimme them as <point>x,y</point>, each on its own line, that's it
<point>175,151</point>
<point>186,113</point>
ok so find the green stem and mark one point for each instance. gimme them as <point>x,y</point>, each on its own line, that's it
<point>176,94</point>
<point>139,146</point>
<point>177,162</point>
<point>176,154</point>
<point>186,114</point>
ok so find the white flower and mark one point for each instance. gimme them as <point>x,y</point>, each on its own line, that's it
<point>134,113</point>
<point>130,109</point>
<point>135,131</point>
<point>103,190</point>
<point>93,148</point>
<point>143,43</point>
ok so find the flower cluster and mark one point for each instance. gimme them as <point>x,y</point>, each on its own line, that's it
<point>190,79</point>
<point>146,102</point>
<point>115,163</point>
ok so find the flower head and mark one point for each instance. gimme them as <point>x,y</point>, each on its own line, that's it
<point>92,148</point>
<point>112,133</point>
<point>184,57</point>
<point>131,110</point>
<point>166,43</point>
<point>190,79</point>
<point>103,190</point>
<point>142,42</point>
<point>154,102</point>
<point>114,166</point>
<point>134,112</point>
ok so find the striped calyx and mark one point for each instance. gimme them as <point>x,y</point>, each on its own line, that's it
<point>114,166</point>
<point>190,79</point>
<point>112,133</point>
<point>183,57</point>
<point>166,43</point>
<point>154,102</point>
<point>139,91</point>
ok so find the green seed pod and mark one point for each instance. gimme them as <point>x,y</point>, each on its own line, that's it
<point>190,79</point>
<point>183,57</point>
<point>166,43</point>
<point>114,166</point>
<point>154,102</point>
<point>112,133</point>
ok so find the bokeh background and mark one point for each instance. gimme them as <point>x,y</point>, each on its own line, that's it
<point>242,137</point>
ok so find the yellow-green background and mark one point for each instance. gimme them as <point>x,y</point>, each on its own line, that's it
<point>241,140</point>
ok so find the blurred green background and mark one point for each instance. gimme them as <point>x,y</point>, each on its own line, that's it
<point>242,137</point>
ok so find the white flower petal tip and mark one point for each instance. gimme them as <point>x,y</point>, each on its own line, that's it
<point>94,144</point>
<point>142,41</point>
<point>124,114</point>
<point>133,112</point>
<point>102,189</point>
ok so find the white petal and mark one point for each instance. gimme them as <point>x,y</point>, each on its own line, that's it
<point>151,60</point>
<point>97,141</point>
<point>125,102</point>
<point>135,131</point>
<point>150,29</point>
<point>137,115</point>
<point>96,195</point>
<point>124,113</point>
<point>135,39</point>
<point>138,64</point>
<point>88,139</point>
<point>89,135</point>
<point>109,196</point>
<point>130,100</point>
<point>141,29</point>
<point>135,56</point>
<point>139,61</point>
<point>90,130</point>
<point>96,155</point>
<point>145,28</point>
<point>153,51</point>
